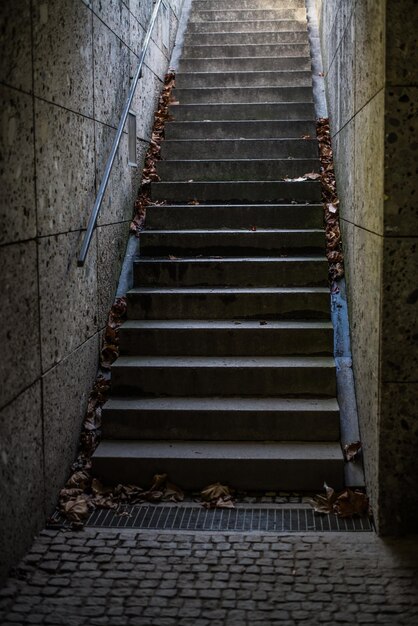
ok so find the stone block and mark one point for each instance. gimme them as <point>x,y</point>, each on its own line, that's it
<point>401,158</point>
<point>19,331</point>
<point>398,511</point>
<point>112,72</point>
<point>346,73</point>
<point>365,298</point>
<point>68,296</point>
<point>112,241</point>
<point>21,475</point>
<point>64,168</point>
<point>344,154</point>
<point>115,14</point>
<point>400,310</point>
<point>347,236</point>
<point>369,50</point>
<point>401,42</point>
<point>17,168</point>
<point>145,102</point>
<point>16,45</point>
<point>63,54</point>
<point>156,60</point>
<point>333,96</point>
<point>369,165</point>
<point>65,390</point>
<point>136,35</point>
<point>119,198</point>
<point>142,11</point>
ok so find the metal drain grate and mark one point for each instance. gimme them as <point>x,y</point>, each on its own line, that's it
<point>240,519</point>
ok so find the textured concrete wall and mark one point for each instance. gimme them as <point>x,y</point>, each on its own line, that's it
<point>65,70</point>
<point>370,59</point>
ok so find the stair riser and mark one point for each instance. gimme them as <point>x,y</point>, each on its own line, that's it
<point>243,79</point>
<point>237,130</point>
<point>239,170</point>
<point>221,425</point>
<point>254,474</point>
<point>253,26</point>
<point>223,342</point>
<point>232,112</point>
<point>246,38</point>
<point>239,149</point>
<point>231,273</point>
<point>219,5</point>
<point>245,15</point>
<point>279,192</point>
<point>231,244</point>
<point>243,94</point>
<point>245,64</point>
<point>234,216</point>
<point>254,305</point>
<point>261,49</point>
<point>224,381</point>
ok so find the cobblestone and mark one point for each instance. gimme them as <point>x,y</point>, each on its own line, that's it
<point>151,578</point>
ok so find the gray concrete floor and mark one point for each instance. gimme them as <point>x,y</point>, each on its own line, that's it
<point>159,578</point>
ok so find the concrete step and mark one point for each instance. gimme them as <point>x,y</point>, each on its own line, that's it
<point>244,49</point>
<point>224,376</point>
<point>187,216</point>
<point>219,5</point>
<point>251,95</point>
<point>248,26</point>
<point>225,338</point>
<point>243,111</point>
<point>238,192</point>
<point>246,64</point>
<point>208,16</point>
<point>244,465</point>
<point>251,36</point>
<point>198,149</point>
<point>214,419</point>
<point>262,303</point>
<point>252,129</point>
<point>238,169</point>
<point>206,80</point>
<point>295,271</point>
<point>231,242</point>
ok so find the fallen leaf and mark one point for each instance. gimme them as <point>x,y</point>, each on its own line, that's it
<point>312,176</point>
<point>331,208</point>
<point>352,450</point>
<point>253,228</point>
<point>351,503</point>
<point>215,491</point>
<point>78,480</point>
<point>172,257</point>
<point>76,510</point>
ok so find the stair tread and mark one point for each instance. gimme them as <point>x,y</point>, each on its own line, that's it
<point>223,290</point>
<point>239,450</point>
<point>319,258</point>
<point>230,324</point>
<point>225,361</point>
<point>222,403</point>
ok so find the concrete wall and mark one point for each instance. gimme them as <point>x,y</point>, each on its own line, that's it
<point>65,69</point>
<point>370,60</point>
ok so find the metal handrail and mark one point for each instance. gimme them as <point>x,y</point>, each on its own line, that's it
<point>109,164</point>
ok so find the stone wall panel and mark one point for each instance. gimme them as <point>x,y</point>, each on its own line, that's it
<point>16,45</point>
<point>66,388</point>
<point>17,167</point>
<point>19,330</point>
<point>64,168</point>
<point>63,63</point>
<point>21,475</point>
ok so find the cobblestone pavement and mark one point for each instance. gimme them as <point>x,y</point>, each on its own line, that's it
<point>163,578</point>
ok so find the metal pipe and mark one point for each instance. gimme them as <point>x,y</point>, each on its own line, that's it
<point>109,164</point>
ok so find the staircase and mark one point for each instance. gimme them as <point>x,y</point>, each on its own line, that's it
<point>226,369</point>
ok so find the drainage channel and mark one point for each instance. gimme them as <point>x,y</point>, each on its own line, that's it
<point>240,519</point>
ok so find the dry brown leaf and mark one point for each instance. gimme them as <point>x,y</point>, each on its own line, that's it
<point>78,480</point>
<point>351,503</point>
<point>312,176</point>
<point>76,510</point>
<point>215,491</point>
<point>351,450</point>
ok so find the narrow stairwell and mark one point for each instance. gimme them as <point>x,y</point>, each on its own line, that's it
<point>226,369</point>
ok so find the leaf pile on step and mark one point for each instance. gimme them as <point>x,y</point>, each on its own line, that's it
<point>83,493</point>
<point>153,155</point>
<point>217,496</point>
<point>346,503</point>
<point>91,429</point>
<point>330,199</point>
